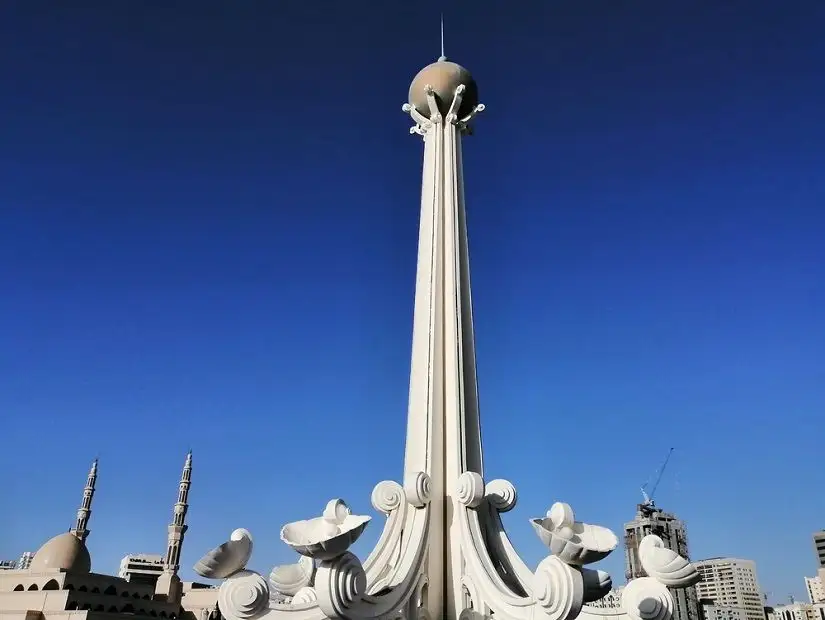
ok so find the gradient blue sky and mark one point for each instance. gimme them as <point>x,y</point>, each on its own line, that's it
<point>208,219</point>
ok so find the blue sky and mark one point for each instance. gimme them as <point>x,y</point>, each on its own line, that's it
<point>208,219</point>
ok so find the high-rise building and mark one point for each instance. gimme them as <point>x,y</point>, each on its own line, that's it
<point>816,587</point>
<point>819,547</point>
<point>653,520</point>
<point>25,560</point>
<point>141,568</point>
<point>730,583</point>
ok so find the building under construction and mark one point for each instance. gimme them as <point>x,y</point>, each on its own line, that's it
<point>653,520</point>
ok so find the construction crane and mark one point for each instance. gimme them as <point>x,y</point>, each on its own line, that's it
<point>649,496</point>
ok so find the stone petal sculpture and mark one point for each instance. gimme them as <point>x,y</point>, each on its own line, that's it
<point>228,558</point>
<point>666,565</point>
<point>443,553</point>
<point>290,579</point>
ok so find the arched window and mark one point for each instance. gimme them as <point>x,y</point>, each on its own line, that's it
<point>110,591</point>
<point>99,608</point>
<point>86,607</point>
<point>33,587</point>
<point>68,586</point>
<point>146,597</point>
<point>136,595</point>
<point>124,594</point>
<point>19,588</point>
<point>112,609</point>
<point>153,613</point>
<point>95,590</point>
<point>163,614</point>
<point>82,589</point>
<point>51,584</point>
<point>128,609</point>
<point>71,606</point>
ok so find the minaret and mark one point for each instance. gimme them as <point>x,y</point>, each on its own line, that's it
<point>168,585</point>
<point>80,528</point>
<point>443,429</point>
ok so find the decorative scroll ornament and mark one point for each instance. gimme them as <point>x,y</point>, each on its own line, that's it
<point>330,582</point>
<point>424,124</point>
<point>647,599</point>
<point>244,595</point>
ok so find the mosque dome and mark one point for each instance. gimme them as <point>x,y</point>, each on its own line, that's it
<point>444,76</point>
<point>63,552</point>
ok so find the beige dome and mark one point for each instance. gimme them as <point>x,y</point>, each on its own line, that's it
<point>64,552</point>
<point>444,76</point>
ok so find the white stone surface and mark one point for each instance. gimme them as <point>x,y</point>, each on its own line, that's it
<point>443,553</point>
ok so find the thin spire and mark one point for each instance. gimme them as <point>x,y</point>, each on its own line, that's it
<point>442,57</point>
<point>80,528</point>
<point>177,529</point>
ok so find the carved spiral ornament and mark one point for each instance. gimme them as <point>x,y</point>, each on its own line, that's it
<point>647,599</point>
<point>470,489</point>
<point>502,494</point>
<point>558,589</point>
<point>340,584</point>
<point>243,595</point>
<point>387,496</point>
<point>417,489</point>
<point>304,595</point>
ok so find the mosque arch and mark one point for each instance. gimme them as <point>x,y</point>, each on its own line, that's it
<point>68,586</point>
<point>146,597</point>
<point>110,591</point>
<point>124,594</point>
<point>136,595</point>
<point>19,587</point>
<point>51,584</point>
<point>32,587</point>
<point>82,589</point>
<point>95,590</point>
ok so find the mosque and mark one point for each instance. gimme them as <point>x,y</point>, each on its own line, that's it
<point>59,583</point>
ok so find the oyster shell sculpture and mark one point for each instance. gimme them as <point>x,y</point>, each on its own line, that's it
<point>289,579</point>
<point>226,559</point>
<point>665,565</point>
<point>327,537</point>
<point>573,542</point>
<point>597,584</point>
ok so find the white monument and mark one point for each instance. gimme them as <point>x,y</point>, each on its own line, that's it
<point>443,553</point>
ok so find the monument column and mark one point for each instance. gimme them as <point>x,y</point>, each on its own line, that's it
<point>443,430</point>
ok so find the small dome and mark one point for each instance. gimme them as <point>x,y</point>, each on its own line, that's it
<point>444,76</point>
<point>64,552</point>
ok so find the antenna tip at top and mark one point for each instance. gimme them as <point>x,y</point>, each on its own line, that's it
<point>443,57</point>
